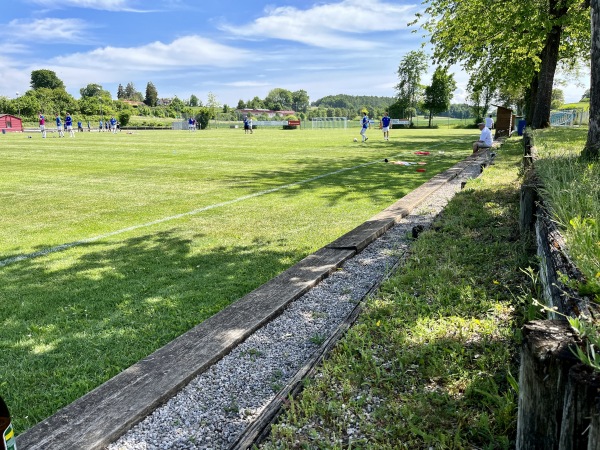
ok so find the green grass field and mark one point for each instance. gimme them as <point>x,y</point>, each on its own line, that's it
<point>113,245</point>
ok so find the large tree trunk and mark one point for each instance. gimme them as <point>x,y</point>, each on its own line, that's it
<point>530,98</point>
<point>592,147</point>
<point>549,57</point>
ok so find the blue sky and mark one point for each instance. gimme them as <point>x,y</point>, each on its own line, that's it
<point>236,49</point>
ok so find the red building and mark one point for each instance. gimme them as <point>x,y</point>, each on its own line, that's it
<point>9,122</point>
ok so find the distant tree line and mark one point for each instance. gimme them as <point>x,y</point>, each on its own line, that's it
<point>48,95</point>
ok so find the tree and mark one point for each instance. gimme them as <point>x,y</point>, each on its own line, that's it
<point>591,151</point>
<point>45,79</point>
<point>241,104</point>
<point>176,106</point>
<point>255,103</point>
<point>130,91</point>
<point>193,100</point>
<point>91,90</point>
<point>481,98</point>
<point>586,96</point>
<point>213,104</point>
<point>558,98</point>
<point>151,95</point>
<point>278,99</point>
<point>438,95</point>
<point>410,71</point>
<point>124,117</point>
<point>204,116</point>
<point>63,101</point>
<point>89,106</point>
<point>120,92</point>
<point>512,48</point>
<point>300,100</point>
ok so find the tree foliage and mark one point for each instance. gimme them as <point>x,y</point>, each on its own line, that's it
<point>353,102</point>
<point>439,93</point>
<point>300,100</point>
<point>410,71</point>
<point>586,96</point>
<point>204,116</point>
<point>558,98</point>
<point>511,47</point>
<point>278,99</point>
<point>124,117</point>
<point>481,98</point>
<point>255,103</point>
<point>45,78</point>
<point>151,95</point>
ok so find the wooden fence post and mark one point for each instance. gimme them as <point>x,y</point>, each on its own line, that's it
<point>545,363</point>
<point>527,207</point>
<point>594,437</point>
<point>583,385</point>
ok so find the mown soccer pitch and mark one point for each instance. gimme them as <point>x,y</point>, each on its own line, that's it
<point>113,245</point>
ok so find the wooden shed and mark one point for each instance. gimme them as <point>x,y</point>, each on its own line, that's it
<point>8,122</point>
<point>504,122</point>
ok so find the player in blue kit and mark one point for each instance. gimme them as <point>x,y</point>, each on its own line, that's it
<point>69,124</point>
<point>365,125</point>
<point>59,126</point>
<point>385,126</point>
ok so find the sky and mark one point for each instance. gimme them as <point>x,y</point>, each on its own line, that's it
<point>235,50</point>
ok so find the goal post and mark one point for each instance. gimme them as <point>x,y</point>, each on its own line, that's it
<point>329,122</point>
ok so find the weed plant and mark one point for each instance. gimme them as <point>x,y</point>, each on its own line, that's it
<point>432,360</point>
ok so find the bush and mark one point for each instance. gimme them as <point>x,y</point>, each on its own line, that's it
<point>202,118</point>
<point>124,117</point>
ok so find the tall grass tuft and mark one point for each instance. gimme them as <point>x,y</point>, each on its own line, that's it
<point>571,189</point>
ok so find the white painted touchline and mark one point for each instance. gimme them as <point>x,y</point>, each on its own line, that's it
<point>61,247</point>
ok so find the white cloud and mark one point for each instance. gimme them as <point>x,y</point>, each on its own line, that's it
<point>61,30</point>
<point>331,25</point>
<point>185,52</point>
<point>14,78</point>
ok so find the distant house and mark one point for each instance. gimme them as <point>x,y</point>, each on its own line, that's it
<point>8,122</point>
<point>268,112</point>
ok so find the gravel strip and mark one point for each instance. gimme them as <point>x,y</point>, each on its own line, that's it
<point>215,408</point>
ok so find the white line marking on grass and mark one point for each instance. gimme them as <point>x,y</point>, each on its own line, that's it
<point>59,248</point>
